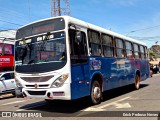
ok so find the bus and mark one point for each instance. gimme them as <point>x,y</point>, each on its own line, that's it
<point>63,58</point>
<point>6,54</point>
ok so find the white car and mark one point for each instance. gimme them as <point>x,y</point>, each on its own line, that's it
<point>7,82</point>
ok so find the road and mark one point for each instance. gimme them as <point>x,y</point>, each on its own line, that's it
<point>125,100</point>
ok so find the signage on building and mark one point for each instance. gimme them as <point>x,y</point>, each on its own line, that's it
<point>7,49</point>
<point>6,61</point>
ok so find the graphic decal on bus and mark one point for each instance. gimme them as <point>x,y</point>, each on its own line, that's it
<point>95,64</point>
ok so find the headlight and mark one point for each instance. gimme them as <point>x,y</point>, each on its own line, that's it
<point>18,84</point>
<point>60,81</point>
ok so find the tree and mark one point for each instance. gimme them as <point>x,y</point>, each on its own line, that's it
<point>152,56</point>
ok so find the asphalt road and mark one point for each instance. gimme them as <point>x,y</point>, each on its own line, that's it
<point>122,103</point>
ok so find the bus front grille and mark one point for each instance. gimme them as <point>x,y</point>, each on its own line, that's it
<point>37,92</point>
<point>37,79</point>
<point>39,86</point>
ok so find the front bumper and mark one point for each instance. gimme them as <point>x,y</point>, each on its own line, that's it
<point>61,93</point>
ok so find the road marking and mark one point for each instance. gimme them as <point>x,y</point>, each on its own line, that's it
<point>113,103</point>
<point>116,104</point>
<point>16,102</point>
<point>38,105</point>
<point>6,95</point>
<point>94,109</point>
<point>125,105</point>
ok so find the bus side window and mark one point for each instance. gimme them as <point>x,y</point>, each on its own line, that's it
<point>94,43</point>
<point>78,46</point>
<point>120,48</point>
<point>142,52</point>
<point>107,44</point>
<point>129,50</point>
<point>136,51</point>
<point>146,53</point>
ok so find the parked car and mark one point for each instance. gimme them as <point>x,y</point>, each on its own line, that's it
<point>7,82</point>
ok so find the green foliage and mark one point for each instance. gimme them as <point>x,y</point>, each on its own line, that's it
<point>152,56</point>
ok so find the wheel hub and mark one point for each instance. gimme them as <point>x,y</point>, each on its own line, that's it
<point>96,92</point>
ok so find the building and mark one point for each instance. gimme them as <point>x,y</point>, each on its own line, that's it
<point>7,50</point>
<point>155,49</point>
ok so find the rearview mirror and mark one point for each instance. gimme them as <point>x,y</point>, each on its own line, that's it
<point>2,79</point>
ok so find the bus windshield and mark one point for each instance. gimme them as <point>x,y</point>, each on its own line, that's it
<point>41,53</point>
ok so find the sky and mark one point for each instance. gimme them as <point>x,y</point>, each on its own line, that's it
<point>139,19</point>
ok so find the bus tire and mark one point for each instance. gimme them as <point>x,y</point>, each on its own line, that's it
<point>49,101</point>
<point>137,82</point>
<point>96,92</point>
<point>14,94</point>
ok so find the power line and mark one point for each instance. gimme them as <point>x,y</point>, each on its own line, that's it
<point>152,37</point>
<point>17,14</point>
<point>11,23</point>
<point>5,29</point>
<point>151,27</point>
<point>148,28</point>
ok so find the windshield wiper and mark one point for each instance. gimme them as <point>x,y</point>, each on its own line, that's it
<point>31,61</point>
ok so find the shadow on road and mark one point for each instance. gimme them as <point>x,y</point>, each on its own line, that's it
<point>110,94</point>
<point>61,107</point>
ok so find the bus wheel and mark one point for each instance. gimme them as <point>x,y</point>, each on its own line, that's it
<point>137,82</point>
<point>96,93</point>
<point>13,93</point>
<point>49,101</point>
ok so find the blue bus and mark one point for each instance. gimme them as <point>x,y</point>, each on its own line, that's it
<point>63,58</point>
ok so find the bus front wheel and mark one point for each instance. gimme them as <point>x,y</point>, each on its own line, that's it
<point>96,92</point>
<point>137,82</point>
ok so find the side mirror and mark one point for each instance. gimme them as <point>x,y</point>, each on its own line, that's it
<point>2,79</point>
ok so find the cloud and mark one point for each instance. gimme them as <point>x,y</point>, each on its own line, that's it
<point>127,2</point>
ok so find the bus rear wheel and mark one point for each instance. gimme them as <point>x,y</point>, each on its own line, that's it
<point>96,92</point>
<point>137,82</point>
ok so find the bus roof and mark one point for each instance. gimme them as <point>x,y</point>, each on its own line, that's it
<point>91,26</point>
<point>102,30</point>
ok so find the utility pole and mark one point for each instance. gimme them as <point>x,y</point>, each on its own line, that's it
<point>60,7</point>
